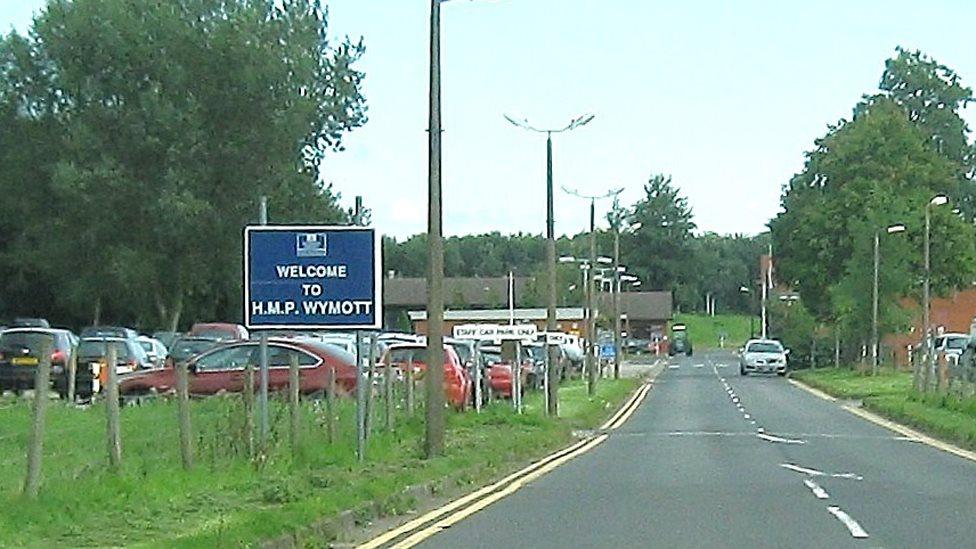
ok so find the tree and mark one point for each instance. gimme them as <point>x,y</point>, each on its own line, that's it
<point>161,127</point>
<point>866,174</point>
<point>659,250</point>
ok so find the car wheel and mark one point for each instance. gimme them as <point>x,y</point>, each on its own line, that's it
<point>781,374</point>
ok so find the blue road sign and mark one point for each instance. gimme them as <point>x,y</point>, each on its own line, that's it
<point>312,277</point>
<point>607,350</point>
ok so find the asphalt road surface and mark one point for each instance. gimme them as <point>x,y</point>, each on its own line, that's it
<point>712,459</point>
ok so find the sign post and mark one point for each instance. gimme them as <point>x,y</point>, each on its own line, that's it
<point>311,277</point>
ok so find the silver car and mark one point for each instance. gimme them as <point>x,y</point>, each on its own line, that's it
<point>763,356</point>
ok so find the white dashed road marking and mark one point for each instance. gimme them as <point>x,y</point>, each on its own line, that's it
<point>780,440</point>
<point>850,523</point>
<point>816,489</point>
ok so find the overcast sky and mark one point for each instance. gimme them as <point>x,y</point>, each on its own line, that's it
<point>724,96</point>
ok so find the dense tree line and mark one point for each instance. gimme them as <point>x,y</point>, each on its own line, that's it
<point>663,250</point>
<point>136,139</point>
<point>901,147</point>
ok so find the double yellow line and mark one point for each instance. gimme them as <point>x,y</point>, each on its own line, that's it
<point>423,527</point>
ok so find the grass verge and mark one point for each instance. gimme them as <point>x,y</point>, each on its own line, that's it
<point>228,502</point>
<point>706,331</point>
<point>890,394</point>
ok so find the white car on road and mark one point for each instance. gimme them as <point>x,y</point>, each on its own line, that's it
<point>763,356</point>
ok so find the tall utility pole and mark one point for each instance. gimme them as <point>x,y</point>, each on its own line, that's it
<point>616,299</point>
<point>928,369</point>
<point>591,319</point>
<point>551,378</point>
<point>434,442</point>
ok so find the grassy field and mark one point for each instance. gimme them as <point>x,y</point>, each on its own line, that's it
<point>226,501</point>
<point>706,331</point>
<point>890,394</point>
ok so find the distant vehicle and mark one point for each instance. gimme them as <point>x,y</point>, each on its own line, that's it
<point>221,369</point>
<point>219,330</point>
<point>166,338</point>
<point>763,356</point>
<point>20,353</point>
<point>155,350</point>
<point>633,345</point>
<point>92,373</point>
<point>457,384</point>
<point>187,347</point>
<point>951,345</point>
<point>500,373</point>
<point>680,341</point>
<point>109,331</point>
<point>30,323</point>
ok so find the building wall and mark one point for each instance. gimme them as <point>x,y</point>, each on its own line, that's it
<point>951,314</point>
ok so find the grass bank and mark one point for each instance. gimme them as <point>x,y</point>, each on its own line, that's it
<point>890,394</point>
<point>226,501</point>
<point>706,331</point>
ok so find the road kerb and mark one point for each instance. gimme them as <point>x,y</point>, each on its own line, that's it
<point>909,432</point>
<point>816,392</point>
<point>891,425</point>
<point>479,499</point>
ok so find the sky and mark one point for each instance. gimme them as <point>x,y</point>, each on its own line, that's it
<point>723,96</point>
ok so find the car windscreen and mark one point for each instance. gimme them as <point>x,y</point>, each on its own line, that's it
<point>186,348</point>
<point>18,341</point>
<point>464,352</point>
<point>409,354</point>
<point>958,343</point>
<point>98,349</point>
<point>764,348</point>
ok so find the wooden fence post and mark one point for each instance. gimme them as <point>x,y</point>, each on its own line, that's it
<point>248,398</point>
<point>72,375</point>
<point>183,409</point>
<point>35,448</point>
<point>112,409</point>
<point>330,405</point>
<point>293,400</point>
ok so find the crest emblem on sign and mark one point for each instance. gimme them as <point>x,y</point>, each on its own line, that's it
<point>311,245</point>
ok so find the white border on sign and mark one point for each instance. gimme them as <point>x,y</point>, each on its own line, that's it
<point>377,278</point>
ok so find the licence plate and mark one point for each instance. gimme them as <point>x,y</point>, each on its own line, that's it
<point>24,361</point>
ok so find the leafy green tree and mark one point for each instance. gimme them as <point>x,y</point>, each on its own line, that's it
<point>659,251</point>
<point>165,123</point>
<point>864,175</point>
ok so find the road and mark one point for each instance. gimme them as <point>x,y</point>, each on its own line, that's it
<point>712,459</point>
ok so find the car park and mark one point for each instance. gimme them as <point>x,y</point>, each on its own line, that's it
<point>221,369</point>
<point>92,364</point>
<point>413,356</point>
<point>155,350</point>
<point>20,354</point>
<point>166,338</point>
<point>223,331</point>
<point>186,347</point>
<point>763,356</point>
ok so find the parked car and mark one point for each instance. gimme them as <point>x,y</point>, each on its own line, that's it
<point>30,323</point>
<point>500,373</point>
<point>20,353</point>
<point>466,351</point>
<point>950,346</point>
<point>155,350</point>
<point>219,330</point>
<point>221,369</point>
<point>109,331</point>
<point>166,338</point>
<point>187,347</point>
<point>763,356</point>
<point>92,372</point>
<point>457,384</point>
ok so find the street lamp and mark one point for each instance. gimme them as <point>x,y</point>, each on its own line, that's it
<point>552,406</point>
<point>893,229</point>
<point>937,200</point>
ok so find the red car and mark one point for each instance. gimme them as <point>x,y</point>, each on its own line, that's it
<point>222,369</point>
<point>457,383</point>
<point>500,372</point>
